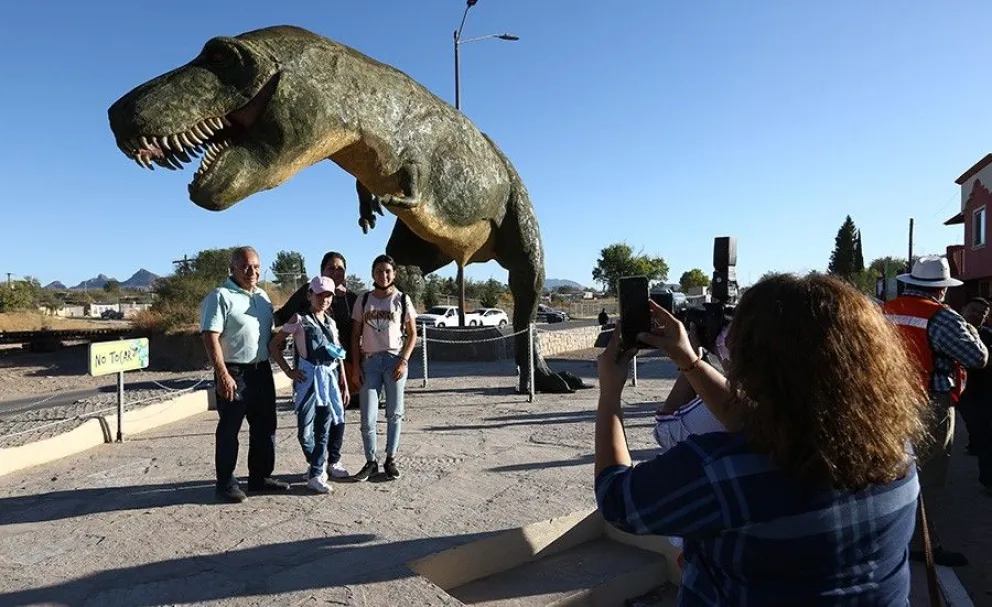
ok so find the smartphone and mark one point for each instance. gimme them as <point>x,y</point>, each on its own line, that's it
<point>635,314</point>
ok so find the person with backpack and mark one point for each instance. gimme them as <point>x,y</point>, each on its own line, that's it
<point>381,354</point>
<point>321,390</point>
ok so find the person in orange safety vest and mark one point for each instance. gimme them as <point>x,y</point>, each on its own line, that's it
<point>944,345</point>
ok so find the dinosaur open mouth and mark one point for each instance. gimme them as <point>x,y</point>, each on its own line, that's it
<point>208,137</point>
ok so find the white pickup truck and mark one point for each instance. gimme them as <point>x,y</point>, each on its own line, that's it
<point>439,316</point>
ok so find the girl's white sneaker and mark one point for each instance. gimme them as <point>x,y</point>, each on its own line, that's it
<point>319,485</point>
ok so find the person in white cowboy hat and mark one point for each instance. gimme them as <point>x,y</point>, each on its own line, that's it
<point>944,344</point>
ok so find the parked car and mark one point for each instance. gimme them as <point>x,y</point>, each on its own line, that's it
<point>112,315</point>
<point>487,317</point>
<point>439,316</point>
<point>550,315</point>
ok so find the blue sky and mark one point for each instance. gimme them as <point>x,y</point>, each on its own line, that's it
<point>662,124</point>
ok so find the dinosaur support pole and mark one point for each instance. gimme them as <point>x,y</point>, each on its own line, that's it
<point>461,295</point>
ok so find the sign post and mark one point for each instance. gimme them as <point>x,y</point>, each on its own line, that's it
<point>108,357</point>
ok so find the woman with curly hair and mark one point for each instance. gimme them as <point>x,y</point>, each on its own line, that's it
<point>810,496</point>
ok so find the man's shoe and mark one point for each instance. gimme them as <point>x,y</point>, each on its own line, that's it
<point>369,469</point>
<point>392,472</point>
<point>944,558</point>
<point>232,494</point>
<point>267,485</point>
<point>338,471</point>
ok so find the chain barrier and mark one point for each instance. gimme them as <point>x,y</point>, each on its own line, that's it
<point>200,381</point>
<point>98,412</point>
<point>467,341</point>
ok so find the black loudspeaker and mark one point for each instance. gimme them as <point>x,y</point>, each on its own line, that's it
<point>724,252</point>
<point>724,285</point>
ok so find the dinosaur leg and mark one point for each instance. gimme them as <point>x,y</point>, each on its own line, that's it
<point>409,177</point>
<point>519,250</point>
<point>368,206</point>
<point>411,252</point>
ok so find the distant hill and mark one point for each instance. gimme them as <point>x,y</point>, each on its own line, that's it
<point>142,279</point>
<point>92,283</point>
<point>550,284</point>
<point>55,286</point>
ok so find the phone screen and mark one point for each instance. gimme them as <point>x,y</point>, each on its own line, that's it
<point>635,315</point>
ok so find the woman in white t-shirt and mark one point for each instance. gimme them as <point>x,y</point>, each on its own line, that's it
<point>382,317</point>
<point>321,393</point>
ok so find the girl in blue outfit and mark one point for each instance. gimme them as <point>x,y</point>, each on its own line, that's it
<point>321,392</point>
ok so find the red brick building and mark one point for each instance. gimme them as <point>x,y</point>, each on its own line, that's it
<point>972,261</point>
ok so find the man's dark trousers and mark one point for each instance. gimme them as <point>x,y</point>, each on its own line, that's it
<point>255,399</point>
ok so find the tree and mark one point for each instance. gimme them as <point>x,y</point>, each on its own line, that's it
<point>491,291</point>
<point>112,287</point>
<point>410,282</point>
<point>355,284</point>
<point>693,278</point>
<point>289,269</point>
<point>843,259</point>
<point>619,260</point>
<point>432,291</point>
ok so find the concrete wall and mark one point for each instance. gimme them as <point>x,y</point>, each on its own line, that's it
<point>568,340</point>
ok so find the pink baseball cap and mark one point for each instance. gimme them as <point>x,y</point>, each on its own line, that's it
<point>321,284</point>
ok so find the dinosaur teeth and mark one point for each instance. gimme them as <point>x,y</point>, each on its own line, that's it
<point>183,156</point>
<point>185,139</point>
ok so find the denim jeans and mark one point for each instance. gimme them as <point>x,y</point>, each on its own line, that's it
<point>313,425</point>
<point>255,399</point>
<point>377,371</point>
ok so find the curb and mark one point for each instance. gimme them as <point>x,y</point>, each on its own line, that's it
<point>102,430</point>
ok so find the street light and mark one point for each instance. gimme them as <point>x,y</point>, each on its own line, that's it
<point>458,42</point>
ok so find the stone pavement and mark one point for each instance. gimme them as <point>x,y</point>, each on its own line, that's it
<point>137,524</point>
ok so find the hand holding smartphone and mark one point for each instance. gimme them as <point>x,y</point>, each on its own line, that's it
<point>635,313</point>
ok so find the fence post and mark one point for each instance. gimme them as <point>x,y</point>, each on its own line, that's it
<point>633,377</point>
<point>423,348</point>
<point>530,360</point>
<point>120,406</point>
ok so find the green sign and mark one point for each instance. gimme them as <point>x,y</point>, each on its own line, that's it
<point>118,356</point>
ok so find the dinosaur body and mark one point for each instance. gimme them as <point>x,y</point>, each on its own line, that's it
<point>265,104</point>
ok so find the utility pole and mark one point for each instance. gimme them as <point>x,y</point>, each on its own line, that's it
<point>8,279</point>
<point>910,264</point>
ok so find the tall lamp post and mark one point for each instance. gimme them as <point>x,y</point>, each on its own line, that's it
<point>458,42</point>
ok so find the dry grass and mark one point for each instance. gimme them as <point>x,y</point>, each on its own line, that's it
<point>36,321</point>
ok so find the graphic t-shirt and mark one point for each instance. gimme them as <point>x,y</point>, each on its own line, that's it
<point>381,321</point>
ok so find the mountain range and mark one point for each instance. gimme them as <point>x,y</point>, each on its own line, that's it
<point>550,284</point>
<point>141,280</point>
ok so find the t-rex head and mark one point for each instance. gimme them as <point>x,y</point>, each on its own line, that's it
<point>242,103</point>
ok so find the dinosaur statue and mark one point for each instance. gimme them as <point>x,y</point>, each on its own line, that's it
<point>268,103</point>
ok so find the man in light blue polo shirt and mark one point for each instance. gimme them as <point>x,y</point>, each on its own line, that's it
<point>236,322</point>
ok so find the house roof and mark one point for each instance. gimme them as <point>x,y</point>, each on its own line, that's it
<point>978,166</point>
<point>959,218</point>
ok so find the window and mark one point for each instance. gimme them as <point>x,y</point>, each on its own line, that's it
<point>978,228</point>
